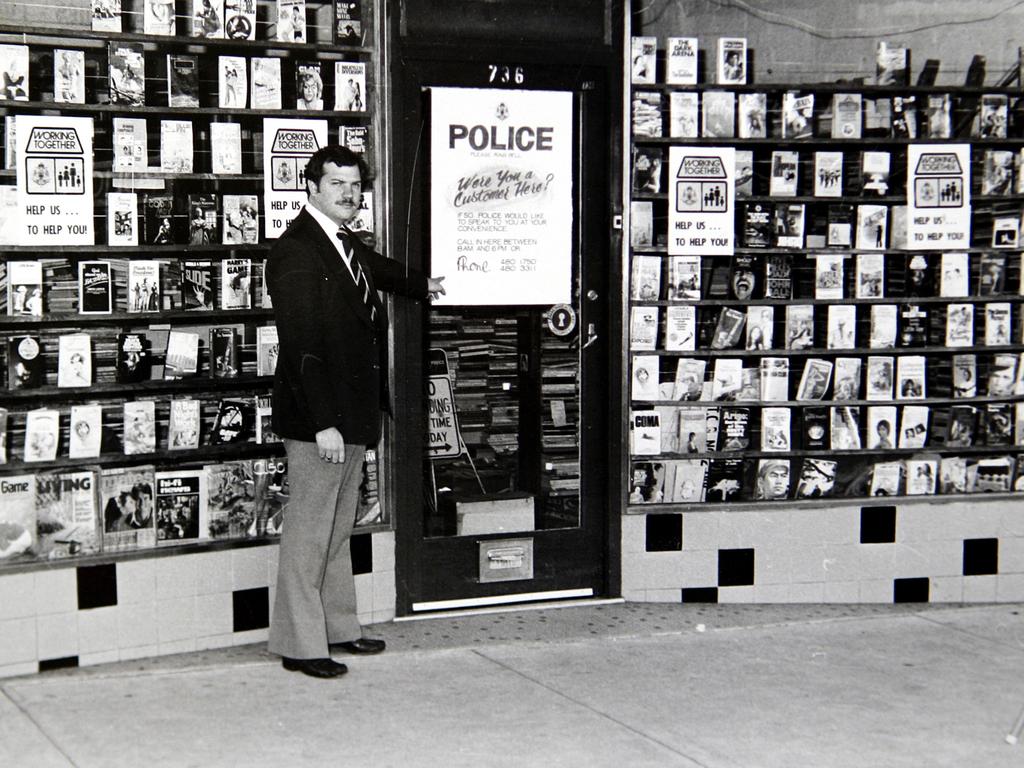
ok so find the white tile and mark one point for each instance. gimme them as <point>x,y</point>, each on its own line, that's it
<point>138,652</point>
<point>771,593</point>
<point>249,568</point>
<point>1011,523</point>
<point>736,594</point>
<point>136,625</point>
<point>215,641</point>
<point>98,657</point>
<point>837,525</point>
<point>1011,555</point>
<point>175,577</point>
<point>383,591</point>
<point>214,614</point>
<point>700,569</point>
<point>664,570</point>
<point>273,557</point>
<point>807,592</point>
<point>1010,588</point>
<point>213,572</point>
<point>929,558</point>
<point>876,591</point>
<point>18,641</point>
<point>17,596</point>
<point>176,620</point>
<point>841,592</point>
<point>946,589</point>
<point>21,668</point>
<point>185,645</point>
<point>637,595</point>
<point>57,635</point>
<point>877,561</point>
<point>663,596</point>
<point>736,529</point>
<point>56,590</point>
<point>383,545</point>
<point>632,571</point>
<point>97,630</point>
<point>251,636</point>
<point>773,565</point>
<point>980,589</point>
<point>634,533</point>
<point>700,530</point>
<point>136,582</point>
<point>364,592</point>
<point>915,522</point>
<point>813,562</point>
<point>854,562</point>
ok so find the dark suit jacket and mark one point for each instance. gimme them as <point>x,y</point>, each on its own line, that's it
<point>331,371</point>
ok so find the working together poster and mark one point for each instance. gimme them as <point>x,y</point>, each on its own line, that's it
<point>501,195</point>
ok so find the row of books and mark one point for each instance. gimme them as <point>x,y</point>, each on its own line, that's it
<point>825,276</point>
<point>84,511</point>
<point>878,377</point>
<point>832,174</point>
<point>686,328</point>
<point>229,19</point>
<point>780,429</point>
<point>681,60</point>
<point>134,355</point>
<point>237,420</point>
<point>141,286</point>
<point>239,82</point>
<point>848,116</point>
<point>777,479</point>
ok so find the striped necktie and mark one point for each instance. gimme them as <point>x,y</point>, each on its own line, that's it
<point>357,272</point>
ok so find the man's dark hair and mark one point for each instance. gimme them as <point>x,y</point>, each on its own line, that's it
<point>340,156</point>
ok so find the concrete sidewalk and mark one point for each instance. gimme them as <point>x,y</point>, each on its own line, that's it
<point>603,685</point>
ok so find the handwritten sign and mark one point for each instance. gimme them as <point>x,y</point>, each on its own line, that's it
<point>501,195</point>
<point>54,180</point>
<point>287,147</point>
<point>702,201</point>
<point>938,196</point>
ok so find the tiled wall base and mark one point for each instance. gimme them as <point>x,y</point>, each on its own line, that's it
<point>70,616</point>
<point>969,551</point>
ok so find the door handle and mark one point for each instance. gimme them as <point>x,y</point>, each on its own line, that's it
<point>591,336</point>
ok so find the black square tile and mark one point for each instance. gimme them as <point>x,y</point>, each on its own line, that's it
<point>67,662</point>
<point>735,567</point>
<point>664,533</point>
<point>97,586</point>
<point>981,557</point>
<point>362,554</point>
<point>877,525</point>
<point>700,595</point>
<point>910,590</point>
<point>251,608</point>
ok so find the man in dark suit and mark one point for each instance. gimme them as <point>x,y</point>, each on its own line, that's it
<point>329,390</point>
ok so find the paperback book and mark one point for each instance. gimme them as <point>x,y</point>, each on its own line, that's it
<point>828,174</point>
<point>74,360</point>
<point>68,76</point>
<point>645,282</point>
<point>643,327</point>
<point>182,80</point>
<point>143,286</point>
<point>25,288</point>
<point>126,497</point>
<point>817,478</point>
<point>910,377</point>
<point>234,284</point>
<point>645,433</point>
<point>914,426</point>
<point>122,219</point>
<point>348,26</point>
<point>67,514</point>
<point>176,146</point>
<point>42,434</point>
<point>774,379</point>
<point>231,499</point>
<point>181,505</point>
<point>683,111</point>
<point>234,422</point>
<point>644,58</point>
<point>842,326</point>
<point>95,288</point>
<point>184,424</point>
<point>718,114</point>
<point>785,170</point>
<point>309,86</point>
<point>266,83</point>
<point>350,86</point>
<point>772,480</point>
<point>882,427</point>
<point>232,82</point>
<point>197,283</point>
<point>134,360</point>
<point>680,327</point>
<point>224,361</point>
<point>85,434</point>
<point>753,115</point>
<point>847,378</point>
<point>139,435</point>
<point>846,116</point>
<point>689,379</point>
<point>207,18</point>
<point>130,142</point>
<point>732,61</point>
<point>797,115</point>
<point>240,19</point>
<point>829,275</point>
<point>182,357</point>
<point>126,70</point>
<point>241,219</point>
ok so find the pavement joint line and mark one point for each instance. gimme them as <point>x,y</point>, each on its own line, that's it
<point>1019,646</point>
<point>561,694</point>
<point>42,731</point>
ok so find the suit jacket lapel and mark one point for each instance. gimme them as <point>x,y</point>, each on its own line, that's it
<point>337,269</point>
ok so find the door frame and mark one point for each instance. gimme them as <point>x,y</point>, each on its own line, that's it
<point>408,230</point>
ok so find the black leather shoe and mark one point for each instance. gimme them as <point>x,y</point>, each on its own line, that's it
<point>363,646</point>
<point>314,667</point>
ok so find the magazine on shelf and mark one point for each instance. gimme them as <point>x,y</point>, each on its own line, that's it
<point>240,19</point>
<point>181,506</point>
<point>643,327</point>
<point>645,432</point>
<point>176,146</point>
<point>67,514</point>
<point>846,116</point>
<point>122,219</point>
<point>42,434</point>
<point>718,114</point>
<point>231,499</point>
<point>133,363</point>
<point>828,174</point>
<point>143,286</point>
<point>182,357</point>
<point>914,426</point>
<point>139,435</point>
<point>680,327</point>
<point>828,275</point>
<point>732,61</point>
<point>182,80</point>
<point>85,431</point>
<point>910,377</point>
<point>683,112</point>
<point>126,72</point>
<point>25,288</point>
<point>224,359</point>
<point>847,378</point>
<point>232,82</point>
<point>265,83</point>
<point>842,326</point>
<point>74,360</point>
<point>130,143</point>
<point>954,275</point>
<point>870,276</point>
<point>68,76</point>
<point>126,498</point>
<point>752,120</point>
<point>681,60</point>
<point>645,281</point>
<point>689,379</point>
<point>184,424</point>
<point>95,288</point>
<point>880,377</point>
<point>797,115</point>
